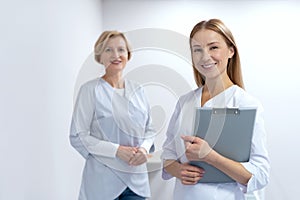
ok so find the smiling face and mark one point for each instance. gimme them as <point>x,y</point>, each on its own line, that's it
<point>115,55</point>
<point>210,53</point>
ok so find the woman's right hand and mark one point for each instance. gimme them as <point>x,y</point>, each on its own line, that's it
<point>188,174</point>
<point>126,153</point>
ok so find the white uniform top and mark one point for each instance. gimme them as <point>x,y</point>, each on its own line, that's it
<point>103,119</point>
<point>181,123</point>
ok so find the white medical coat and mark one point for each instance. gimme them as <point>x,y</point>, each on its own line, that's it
<point>181,123</point>
<point>102,120</point>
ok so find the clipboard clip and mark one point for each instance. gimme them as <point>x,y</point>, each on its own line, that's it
<point>225,111</point>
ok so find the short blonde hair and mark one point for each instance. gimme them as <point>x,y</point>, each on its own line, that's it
<point>234,70</point>
<point>102,41</point>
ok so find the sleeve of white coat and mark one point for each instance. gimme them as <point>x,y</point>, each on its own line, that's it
<point>150,131</point>
<point>80,137</point>
<point>169,146</point>
<point>259,164</point>
<point>149,135</point>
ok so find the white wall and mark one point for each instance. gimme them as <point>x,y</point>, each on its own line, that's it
<point>43,45</point>
<point>267,35</point>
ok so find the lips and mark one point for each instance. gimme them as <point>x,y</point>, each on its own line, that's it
<point>209,65</point>
<point>116,62</point>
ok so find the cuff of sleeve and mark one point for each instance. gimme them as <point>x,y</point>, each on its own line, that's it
<point>147,145</point>
<point>251,183</point>
<point>243,188</point>
<point>165,175</point>
<point>258,180</point>
<point>115,149</point>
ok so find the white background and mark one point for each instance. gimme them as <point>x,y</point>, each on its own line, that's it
<point>45,46</point>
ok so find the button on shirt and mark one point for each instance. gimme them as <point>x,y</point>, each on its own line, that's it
<point>181,123</point>
<point>103,119</point>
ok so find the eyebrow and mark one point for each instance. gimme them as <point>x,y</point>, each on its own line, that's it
<point>116,47</point>
<point>214,42</point>
<point>211,43</point>
<point>196,45</point>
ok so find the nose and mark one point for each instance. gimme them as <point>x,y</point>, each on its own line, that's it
<point>206,55</point>
<point>115,53</point>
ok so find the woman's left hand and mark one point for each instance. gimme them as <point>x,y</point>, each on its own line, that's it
<point>139,158</point>
<point>196,148</point>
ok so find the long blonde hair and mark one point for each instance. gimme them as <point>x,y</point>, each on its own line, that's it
<point>234,70</point>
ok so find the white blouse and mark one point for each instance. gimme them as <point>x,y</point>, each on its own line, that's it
<point>104,118</point>
<point>182,123</point>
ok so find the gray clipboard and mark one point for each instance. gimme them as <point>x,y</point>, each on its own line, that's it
<point>228,131</point>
